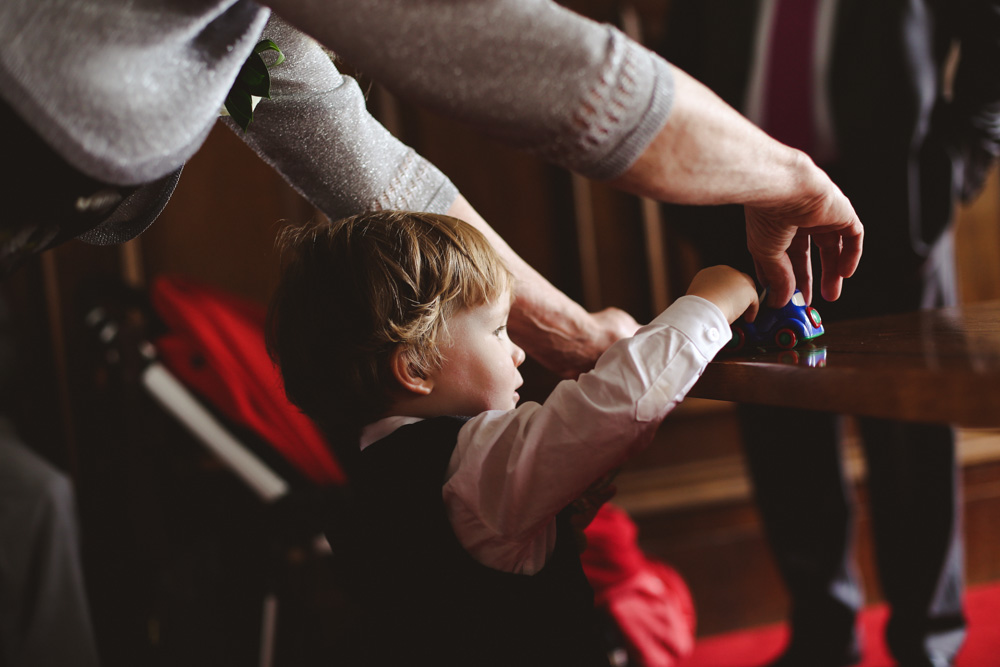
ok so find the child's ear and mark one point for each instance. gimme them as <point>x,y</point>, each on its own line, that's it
<point>407,374</point>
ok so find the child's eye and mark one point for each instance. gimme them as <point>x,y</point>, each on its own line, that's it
<point>501,331</point>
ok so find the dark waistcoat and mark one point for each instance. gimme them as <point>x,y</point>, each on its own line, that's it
<point>425,599</point>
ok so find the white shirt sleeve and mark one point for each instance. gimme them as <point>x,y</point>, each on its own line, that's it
<point>513,471</point>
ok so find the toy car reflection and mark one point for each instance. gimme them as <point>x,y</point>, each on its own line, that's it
<point>804,356</point>
<point>783,327</point>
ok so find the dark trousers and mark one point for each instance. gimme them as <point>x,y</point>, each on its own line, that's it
<point>806,504</point>
<point>794,458</point>
<point>807,507</point>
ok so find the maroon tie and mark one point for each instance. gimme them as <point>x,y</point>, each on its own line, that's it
<point>788,104</point>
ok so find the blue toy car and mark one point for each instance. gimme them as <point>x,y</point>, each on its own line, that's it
<point>783,327</point>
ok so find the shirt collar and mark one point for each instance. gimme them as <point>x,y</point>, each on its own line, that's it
<point>383,427</point>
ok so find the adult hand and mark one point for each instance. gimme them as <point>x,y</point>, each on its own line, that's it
<point>780,238</point>
<point>603,329</point>
<point>708,154</point>
<point>568,341</point>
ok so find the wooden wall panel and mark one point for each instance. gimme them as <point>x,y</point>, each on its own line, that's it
<point>220,224</point>
<point>977,244</point>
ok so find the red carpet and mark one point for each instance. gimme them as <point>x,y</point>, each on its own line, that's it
<point>750,648</point>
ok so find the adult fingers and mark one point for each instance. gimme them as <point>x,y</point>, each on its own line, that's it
<point>830,251</point>
<point>850,255</point>
<point>777,275</point>
<point>799,253</point>
<point>769,237</point>
<point>840,248</point>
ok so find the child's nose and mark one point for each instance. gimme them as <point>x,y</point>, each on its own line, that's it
<point>518,356</point>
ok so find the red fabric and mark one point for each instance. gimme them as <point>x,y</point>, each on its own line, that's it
<point>216,348</point>
<point>649,600</point>
<point>757,646</point>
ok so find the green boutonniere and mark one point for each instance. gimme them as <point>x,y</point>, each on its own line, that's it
<point>252,84</point>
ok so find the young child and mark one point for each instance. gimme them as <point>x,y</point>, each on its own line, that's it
<point>390,331</point>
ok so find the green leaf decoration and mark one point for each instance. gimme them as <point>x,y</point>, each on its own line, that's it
<point>252,81</point>
<point>253,77</point>
<point>239,104</point>
<point>269,45</point>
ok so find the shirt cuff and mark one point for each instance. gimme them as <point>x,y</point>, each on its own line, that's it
<point>701,321</point>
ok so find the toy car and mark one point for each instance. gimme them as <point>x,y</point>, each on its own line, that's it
<point>783,327</point>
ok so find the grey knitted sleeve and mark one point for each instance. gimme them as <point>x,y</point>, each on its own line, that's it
<point>316,132</point>
<point>529,72</point>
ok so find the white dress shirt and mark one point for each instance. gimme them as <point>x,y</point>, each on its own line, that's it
<point>513,471</point>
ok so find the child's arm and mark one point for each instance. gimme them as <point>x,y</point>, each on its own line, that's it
<point>732,291</point>
<point>513,471</point>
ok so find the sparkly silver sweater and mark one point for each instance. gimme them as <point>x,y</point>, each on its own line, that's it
<point>127,90</point>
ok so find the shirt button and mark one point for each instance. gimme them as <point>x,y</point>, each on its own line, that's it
<point>713,334</point>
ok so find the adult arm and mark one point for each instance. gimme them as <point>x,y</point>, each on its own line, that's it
<point>584,96</point>
<point>317,133</point>
<point>707,153</point>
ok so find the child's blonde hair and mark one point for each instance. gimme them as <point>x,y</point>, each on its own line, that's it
<point>354,291</point>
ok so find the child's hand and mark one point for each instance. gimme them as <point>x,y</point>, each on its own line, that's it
<point>732,291</point>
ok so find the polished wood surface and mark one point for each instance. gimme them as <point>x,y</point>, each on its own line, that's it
<point>931,366</point>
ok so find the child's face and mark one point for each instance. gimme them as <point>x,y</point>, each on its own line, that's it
<point>479,369</point>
